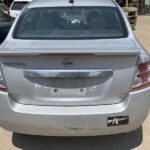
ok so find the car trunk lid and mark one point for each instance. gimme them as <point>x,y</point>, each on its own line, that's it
<point>69,76</point>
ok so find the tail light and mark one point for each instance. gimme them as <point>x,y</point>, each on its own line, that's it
<point>142,78</point>
<point>2,82</point>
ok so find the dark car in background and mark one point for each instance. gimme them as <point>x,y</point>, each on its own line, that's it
<point>4,8</point>
<point>5,24</point>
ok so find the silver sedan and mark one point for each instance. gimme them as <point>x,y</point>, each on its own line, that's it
<point>73,68</point>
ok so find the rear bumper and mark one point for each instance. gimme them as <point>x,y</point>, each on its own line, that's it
<point>73,121</point>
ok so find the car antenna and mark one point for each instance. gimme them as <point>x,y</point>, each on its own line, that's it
<point>71,2</point>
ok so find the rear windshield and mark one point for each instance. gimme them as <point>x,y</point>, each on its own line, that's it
<point>18,5</point>
<point>70,23</point>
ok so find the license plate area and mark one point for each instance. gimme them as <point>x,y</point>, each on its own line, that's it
<point>59,92</point>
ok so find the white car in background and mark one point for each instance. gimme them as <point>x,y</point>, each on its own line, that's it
<point>17,6</point>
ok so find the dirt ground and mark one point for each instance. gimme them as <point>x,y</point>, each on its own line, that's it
<point>137,140</point>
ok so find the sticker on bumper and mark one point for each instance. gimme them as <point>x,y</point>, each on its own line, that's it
<point>117,121</point>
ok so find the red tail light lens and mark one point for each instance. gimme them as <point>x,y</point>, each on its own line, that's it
<point>142,79</point>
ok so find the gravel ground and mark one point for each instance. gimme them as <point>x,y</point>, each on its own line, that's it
<point>137,140</point>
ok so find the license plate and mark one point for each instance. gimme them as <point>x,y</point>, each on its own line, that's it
<point>67,92</point>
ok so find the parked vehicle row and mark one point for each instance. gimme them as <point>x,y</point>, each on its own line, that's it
<point>5,24</point>
<point>8,15</point>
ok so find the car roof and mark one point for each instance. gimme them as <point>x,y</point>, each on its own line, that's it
<point>61,3</point>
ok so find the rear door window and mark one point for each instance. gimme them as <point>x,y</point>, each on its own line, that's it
<point>18,5</point>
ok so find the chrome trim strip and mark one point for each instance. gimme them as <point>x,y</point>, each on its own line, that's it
<point>68,73</point>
